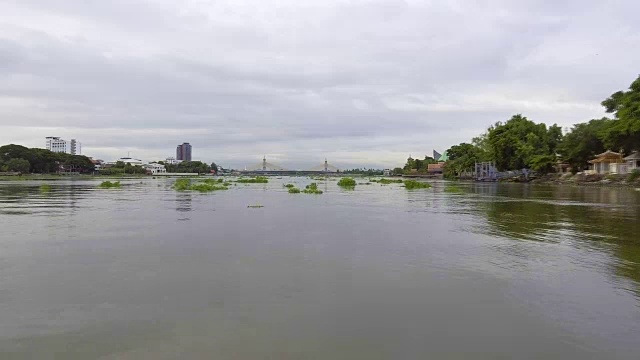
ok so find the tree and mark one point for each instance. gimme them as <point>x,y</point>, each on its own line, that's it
<point>519,142</point>
<point>462,158</point>
<point>19,165</point>
<point>214,167</point>
<point>397,171</point>
<point>584,142</point>
<point>625,131</point>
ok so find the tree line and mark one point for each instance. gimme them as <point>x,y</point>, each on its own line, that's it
<point>521,143</point>
<point>21,159</point>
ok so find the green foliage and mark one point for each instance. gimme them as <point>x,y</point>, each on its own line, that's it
<point>624,132</point>
<point>397,171</point>
<point>584,142</point>
<point>312,189</point>
<point>206,185</point>
<point>413,184</point>
<point>256,180</point>
<point>419,166</point>
<point>387,181</point>
<point>108,184</point>
<point>294,190</point>
<point>542,163</point>
<point>19,165</point>
<point>635,174</point>
<point>289,186</point>
<point>462,158</point>
<point>43,161</point>
<point>347,182</point>
<point>452,188</point>
<point>45,188</point>
<point>365,171</point>
<point>255,206</point>
<point>195,167</point>
<point>516,143</point>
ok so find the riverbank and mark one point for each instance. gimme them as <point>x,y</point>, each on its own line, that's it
<point>613,180</point>
<point>52,177</point>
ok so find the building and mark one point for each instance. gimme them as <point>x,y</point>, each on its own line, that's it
<point>609,162</point>
<point>55,144</point>
<point>155,168</point>
<point>183,152</point>
<point>127,160</point>
<point>172,161</point>
<point>58,145</point>
<point>633,161</point>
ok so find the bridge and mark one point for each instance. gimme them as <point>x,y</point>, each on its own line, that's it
<point>267,168</point>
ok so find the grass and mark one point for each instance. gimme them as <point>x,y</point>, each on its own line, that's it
<point>635,174</point>
<point>347,182</point>
<point>109,185</point>
<point>256,180</point>
<point>312,189</point>
<point>294,190</point>
<point>207,185</point>
<point>413,184</point>
<point>45,188</point>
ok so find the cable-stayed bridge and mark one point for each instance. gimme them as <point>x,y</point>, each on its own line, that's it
<point>267,168</point>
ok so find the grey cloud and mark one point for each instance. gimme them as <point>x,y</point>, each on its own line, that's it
<point>365,81</point>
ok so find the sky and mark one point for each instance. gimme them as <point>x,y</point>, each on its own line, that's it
<point>361,83</point>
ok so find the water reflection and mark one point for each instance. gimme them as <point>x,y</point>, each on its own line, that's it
<point>183,205</point>
<point>591,218</point>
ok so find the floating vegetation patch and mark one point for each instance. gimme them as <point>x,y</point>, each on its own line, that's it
<point>347,182</point>
<point>312,189</point>
<point>45,188</point>
<point>452,189</point>
<point>367,183</point>
<point>413,184</point>
<point>256,180</point>
<point>207,185</point>
<point>255,206</point>
<point>109,185</point>
<point>294,190</point>
<point>390,181</point>
<point>289,186</point>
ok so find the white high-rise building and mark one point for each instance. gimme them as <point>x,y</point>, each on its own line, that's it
<point>56,144</point>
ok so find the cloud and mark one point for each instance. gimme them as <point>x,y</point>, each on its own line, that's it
<point>364,83</point>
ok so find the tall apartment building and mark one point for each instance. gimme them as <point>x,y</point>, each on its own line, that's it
<point>183,152</point>
<point>56,144</point>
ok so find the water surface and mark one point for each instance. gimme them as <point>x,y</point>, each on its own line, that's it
<point>490,271</point>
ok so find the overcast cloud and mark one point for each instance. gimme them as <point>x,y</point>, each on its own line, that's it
<point>363,83</point>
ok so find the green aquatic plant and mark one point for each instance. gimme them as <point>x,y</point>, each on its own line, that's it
<point>255,206</point>
<point>347,182</point>
<point>634,175</point>
<point>294,190</point>
<point>452,189</point>
<point>182,184</point>
<point>390,181</point>
<point>413,184</point>
<point>256,180</point>
<point>289,186</point>
<point>312,189</point>
<point>45,188</point>
<point>108,184</point>
<point>206,185</point>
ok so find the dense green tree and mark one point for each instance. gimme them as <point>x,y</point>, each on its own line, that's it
<point>462,158</point>
<point>519,143</point>
<point>624,133</point>
<point>214,167</point>
<point>584,142</point>
<point>45,161</point>
<point>19,165</point>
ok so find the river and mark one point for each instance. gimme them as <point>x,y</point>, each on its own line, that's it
<point>482,271</point>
